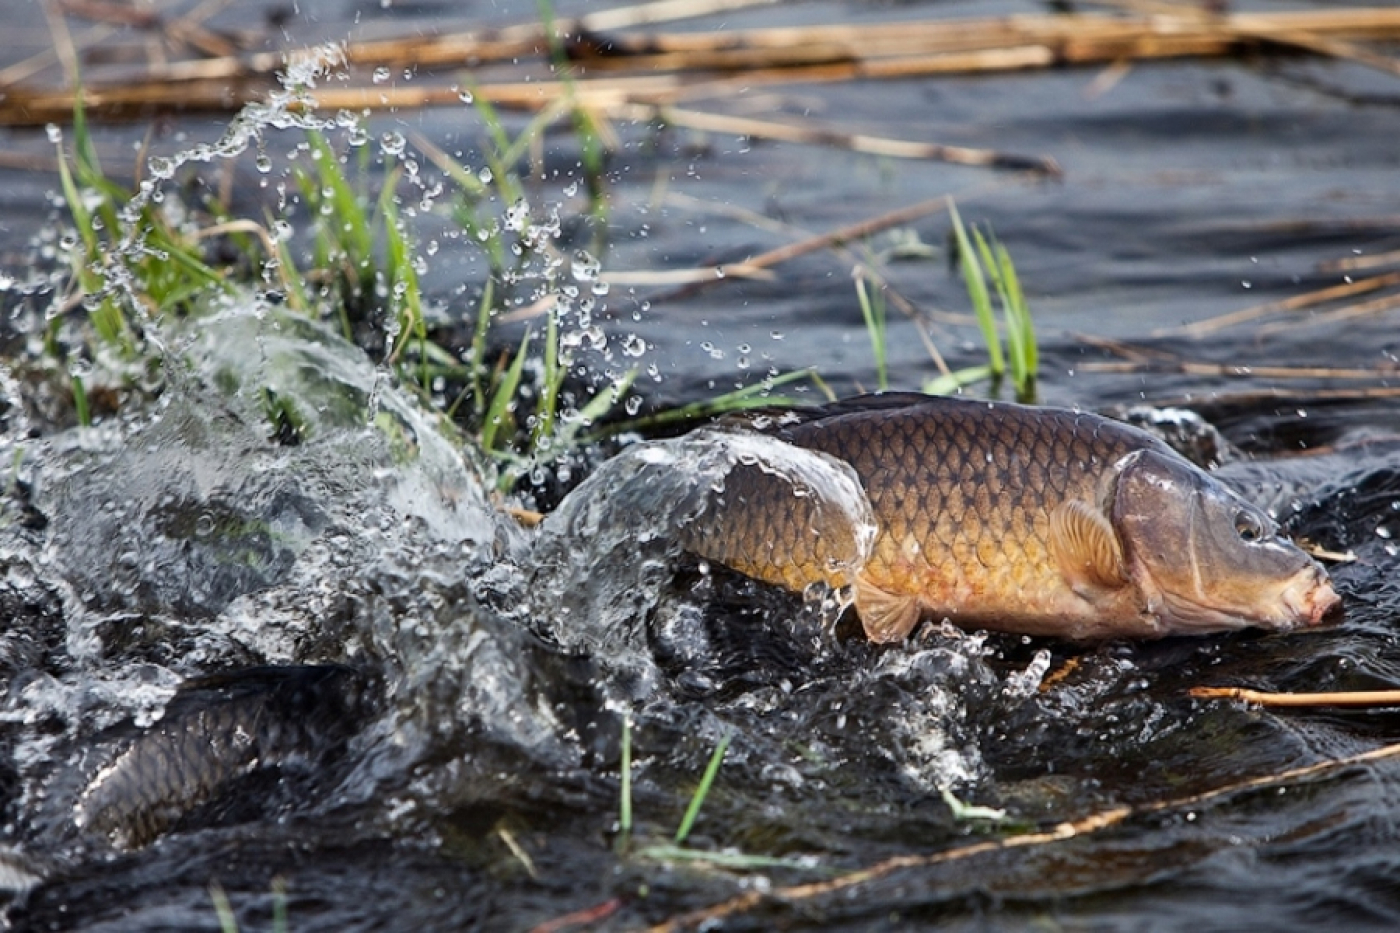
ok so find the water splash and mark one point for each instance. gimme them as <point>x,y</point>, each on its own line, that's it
<point>634,515</point>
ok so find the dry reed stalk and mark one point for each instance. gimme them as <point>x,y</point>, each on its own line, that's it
<point>760,55</point>
<point>115,14</point>
<point>855,142</point>
<point>701,275</point>
<point>1128,351</point>
<point>929,36</point>
<point>1296,303</point>
<point>1357,263</point>
<point>1335,48</point>
<point>1349,313</point>
<point>28,163</point>
<point>473,48</point>
<point>838,237</point>
<point>1352,698</point>
<point>1278,394</point>
<point>1239,370</point>
<point>187,29</point>
<point>585,917</point>
<point>1322,553</point>
<point>848,884</point>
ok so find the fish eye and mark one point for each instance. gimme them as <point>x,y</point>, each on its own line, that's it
<point>1248,527</point>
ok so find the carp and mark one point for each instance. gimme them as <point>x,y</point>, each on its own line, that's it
<point>1040,521</point>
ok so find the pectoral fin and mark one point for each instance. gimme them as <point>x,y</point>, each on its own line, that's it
<point>886,616</point>
<point>1086,547</point>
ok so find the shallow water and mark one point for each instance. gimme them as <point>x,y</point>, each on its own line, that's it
<point>471,778</point>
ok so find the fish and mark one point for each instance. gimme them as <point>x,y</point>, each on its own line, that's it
<point>1032,520</point>
<point>217,731</point>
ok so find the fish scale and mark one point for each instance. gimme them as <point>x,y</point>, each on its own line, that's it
<point>972,486</point>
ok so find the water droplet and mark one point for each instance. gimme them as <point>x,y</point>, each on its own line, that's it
<point>392,143</point>
<point>585,267</point>
<point>485,176</point>
<point>55,133</point>
<point>465,97</point>
<point>381,74</point>
<point>517,215</point>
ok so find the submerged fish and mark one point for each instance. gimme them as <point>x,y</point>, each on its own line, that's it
<point>215,732</point>
<point>1040,521</point>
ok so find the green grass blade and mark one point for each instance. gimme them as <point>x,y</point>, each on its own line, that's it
<point>952,382</point>
<point>738,861</point>
<point>279,905</point>
<point>624,816</point>
<point>76,208</point>
<point>873,310</point>
<point>501,398</point>
<point>758,395</point>
<point>497,153</point>
<point>701,792</point>
<point>600,404</point>
<point>976,282</point>
<point>989,252</point>
<point>84,151</point>
<point>406,297</point>
<point>478,361</point>
<point>80,402</point>
<point>554,370</point>
<point>348,215</point>
<point>228,923</point>
<point>1018,320</point>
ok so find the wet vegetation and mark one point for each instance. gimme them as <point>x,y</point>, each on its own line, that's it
<point>280,651</point>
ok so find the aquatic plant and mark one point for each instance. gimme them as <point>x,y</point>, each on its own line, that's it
<point>702,790</point>
<point>130,267</point>
<point>119,286</point>
<point>981,257</point>
<point>228,921</point>
<point>872,309</point>
<point>676,850</point>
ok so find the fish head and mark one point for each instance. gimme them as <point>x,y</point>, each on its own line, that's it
<point>1205,559</point>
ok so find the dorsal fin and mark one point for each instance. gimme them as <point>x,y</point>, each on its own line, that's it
<point>773,419</point>
<point>1086,547</point>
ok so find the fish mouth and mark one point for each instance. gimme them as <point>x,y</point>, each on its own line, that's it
<point>1312,601</point>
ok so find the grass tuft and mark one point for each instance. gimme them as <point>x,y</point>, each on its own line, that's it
<point>984,259</point>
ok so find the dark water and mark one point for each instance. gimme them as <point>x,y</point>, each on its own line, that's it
<point>432,710</point>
